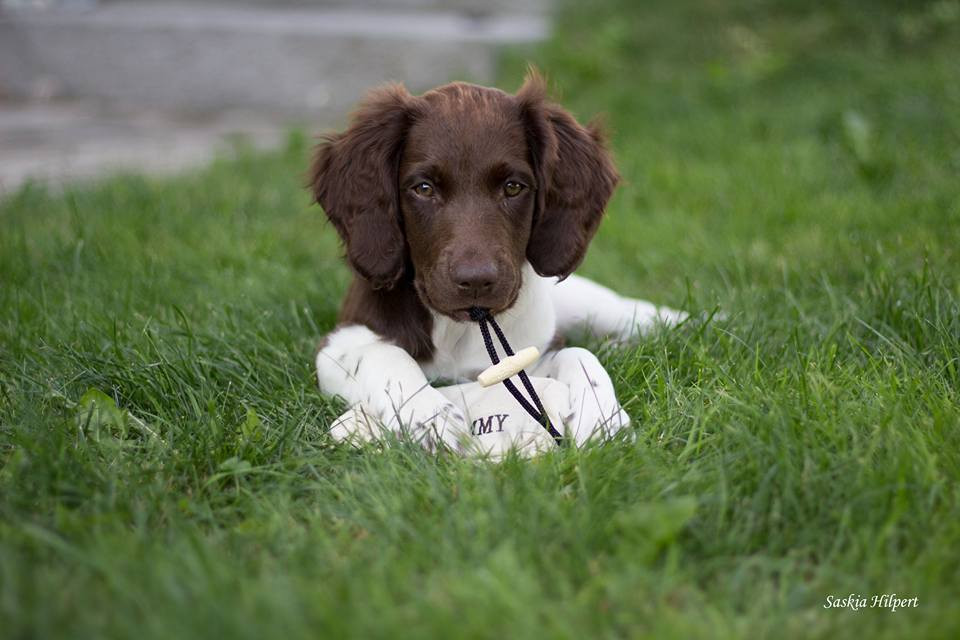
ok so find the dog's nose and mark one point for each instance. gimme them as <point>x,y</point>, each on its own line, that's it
<point>475,277</point>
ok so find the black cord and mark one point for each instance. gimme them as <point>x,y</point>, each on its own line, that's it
<point>482,317</point>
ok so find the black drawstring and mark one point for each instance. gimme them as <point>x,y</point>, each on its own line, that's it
<point>482,317</point>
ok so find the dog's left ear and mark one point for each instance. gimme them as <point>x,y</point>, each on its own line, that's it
<point>575,176</point>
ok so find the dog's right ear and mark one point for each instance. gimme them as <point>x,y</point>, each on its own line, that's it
<point>354,178</point>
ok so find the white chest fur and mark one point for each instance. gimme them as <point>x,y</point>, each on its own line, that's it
<point>459,351</point>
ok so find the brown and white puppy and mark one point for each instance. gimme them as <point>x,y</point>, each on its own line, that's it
<point>467,196</point>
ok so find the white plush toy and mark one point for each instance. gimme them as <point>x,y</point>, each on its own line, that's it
<point>500,417</point>
<point>497,422</point>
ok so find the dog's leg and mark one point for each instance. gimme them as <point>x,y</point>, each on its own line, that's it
<point>594,409</point>
<point>583,304</point>
<point>364,369</point>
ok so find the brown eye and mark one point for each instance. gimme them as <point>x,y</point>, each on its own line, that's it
<point>512,188</point>
<point>424,190</point>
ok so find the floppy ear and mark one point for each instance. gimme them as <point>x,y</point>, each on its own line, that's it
<point>354,178</point>
<point>575,176</point>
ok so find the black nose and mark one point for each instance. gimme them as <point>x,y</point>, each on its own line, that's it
<point>475,278</point>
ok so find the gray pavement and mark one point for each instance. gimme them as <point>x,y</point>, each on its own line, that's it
<point>87,87</point>
<point>64,141</point>
<point>208,57</point>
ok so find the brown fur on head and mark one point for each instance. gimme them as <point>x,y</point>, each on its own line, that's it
<point>453,190</point>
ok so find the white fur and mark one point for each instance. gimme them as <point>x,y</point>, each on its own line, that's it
<point>593,408</point>
<point>363,368</point>
<point>531,322</point>
<point>580,303</point>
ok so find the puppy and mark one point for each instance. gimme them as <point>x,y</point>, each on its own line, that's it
<point>467,196</point>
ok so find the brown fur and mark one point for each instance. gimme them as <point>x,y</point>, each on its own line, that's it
<point>463,245</point>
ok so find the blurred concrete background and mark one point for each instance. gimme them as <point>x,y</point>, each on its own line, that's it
<point>87,86</point>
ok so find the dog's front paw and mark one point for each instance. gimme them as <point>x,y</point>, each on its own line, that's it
<point>593,409</point>
<point>594,413</point>
<point>428,418</point>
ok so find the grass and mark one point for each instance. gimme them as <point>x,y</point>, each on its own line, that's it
<point>164,470</point>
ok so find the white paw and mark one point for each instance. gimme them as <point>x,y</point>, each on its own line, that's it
<point>593,411</point>
<point>594,415</point>
<point>427,417</point>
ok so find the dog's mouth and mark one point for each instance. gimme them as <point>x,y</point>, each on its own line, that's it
<point>463,314</point>
<point>467,314</point>
<point>460,315</point>
<point>460,312</point>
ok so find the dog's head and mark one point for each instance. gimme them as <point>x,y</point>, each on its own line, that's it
<point>459,186</point>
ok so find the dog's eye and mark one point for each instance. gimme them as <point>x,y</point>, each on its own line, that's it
<point>423,189</point>
<point>512,188</point>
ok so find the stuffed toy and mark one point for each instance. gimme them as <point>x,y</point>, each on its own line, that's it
<point>500,417</point>
<point>497,422</point>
